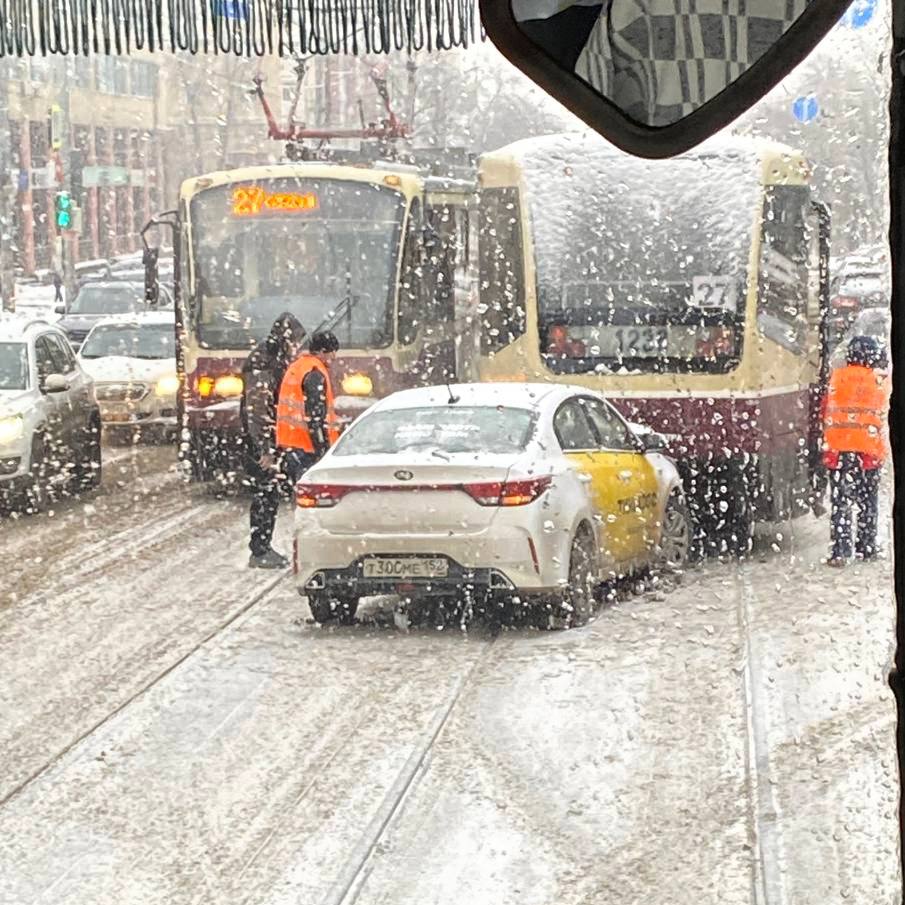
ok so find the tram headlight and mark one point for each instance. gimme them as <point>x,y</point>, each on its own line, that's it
<point>225,386</point>
<point>167,385</point>
<point>357,384</point>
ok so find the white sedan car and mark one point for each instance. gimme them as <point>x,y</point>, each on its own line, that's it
<point>132,359</point>
<point>508,495</point>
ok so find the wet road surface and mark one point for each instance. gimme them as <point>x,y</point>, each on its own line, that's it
<point>174,731</point>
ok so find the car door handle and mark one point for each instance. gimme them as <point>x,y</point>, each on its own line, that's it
<point>585,478</point>
<point>625,474</point>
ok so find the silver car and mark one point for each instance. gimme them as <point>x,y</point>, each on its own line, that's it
<point>50,427</point>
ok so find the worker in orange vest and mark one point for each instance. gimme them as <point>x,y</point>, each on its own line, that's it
<point>855,446</point>
<point>306,416</point>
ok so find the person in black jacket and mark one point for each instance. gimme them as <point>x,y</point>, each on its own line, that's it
<point>262,375</point>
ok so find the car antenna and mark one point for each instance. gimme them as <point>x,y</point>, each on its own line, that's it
<point>453,399</point>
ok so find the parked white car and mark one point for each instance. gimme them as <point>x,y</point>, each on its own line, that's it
<point>49,421</point>
<point>514,494</point>
<point>132,359</point>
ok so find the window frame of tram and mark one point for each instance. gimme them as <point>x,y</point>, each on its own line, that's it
<point>501,268</point>
<point>782,307</point>
<point>421,306</point>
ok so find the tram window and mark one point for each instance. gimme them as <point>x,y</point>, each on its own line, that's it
<point>502,268</point>
<point>411,285</point>
<point>783,284</point>
<point>441,252</point>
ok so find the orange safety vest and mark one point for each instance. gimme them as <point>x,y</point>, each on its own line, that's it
<point>856,409</point>
<point>292,420</point>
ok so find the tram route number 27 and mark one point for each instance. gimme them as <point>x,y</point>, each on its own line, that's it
<point>714,291</point>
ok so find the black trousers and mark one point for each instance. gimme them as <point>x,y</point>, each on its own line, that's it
<point>267,488</point>
<point>265,501</point>
<point>853,485</point>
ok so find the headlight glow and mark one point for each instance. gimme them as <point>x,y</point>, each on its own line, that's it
<point>357,385</point>
<point>167,386</point>
<point>12,428</point>
<point>225,385</point>
<point>228,385</point>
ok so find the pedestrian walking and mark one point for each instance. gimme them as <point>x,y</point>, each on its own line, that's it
<point>306,416</point>
<point>262,375</point>
<point>855,447</point>
<point>57,288</point>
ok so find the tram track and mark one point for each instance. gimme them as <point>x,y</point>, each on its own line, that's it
<point>347,888</point>
<point>766,864</point>
<point>258,596</point>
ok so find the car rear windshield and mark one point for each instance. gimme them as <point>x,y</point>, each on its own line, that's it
<point>446,429</point>
<point>146,341</point>
<point>107,300</point>
<point>13,366</point>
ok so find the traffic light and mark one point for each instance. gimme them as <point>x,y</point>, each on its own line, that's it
<point>64,210</point>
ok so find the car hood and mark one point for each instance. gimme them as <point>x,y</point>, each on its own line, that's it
<point>79,321</point>
<point>121,368</point>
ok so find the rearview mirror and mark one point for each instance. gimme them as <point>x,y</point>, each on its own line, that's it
<point>59,309</point>
<point>54,383</point>
<point>657,77</point>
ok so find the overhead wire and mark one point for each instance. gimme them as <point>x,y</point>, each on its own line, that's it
<point>243,28</point>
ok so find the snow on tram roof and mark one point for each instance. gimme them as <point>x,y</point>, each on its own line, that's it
<point>587,142</point>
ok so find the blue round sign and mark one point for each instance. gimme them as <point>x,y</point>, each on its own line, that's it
<point>859,13</point>
<point>805,109</point>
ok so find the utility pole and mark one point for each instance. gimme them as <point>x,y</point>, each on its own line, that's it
<point>61,148</point>
<point>8,190</point>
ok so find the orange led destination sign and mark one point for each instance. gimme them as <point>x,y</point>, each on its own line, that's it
<point>253,200</point>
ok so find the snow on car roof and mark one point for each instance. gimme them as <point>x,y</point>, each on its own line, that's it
<point>513,395</point>
<point>166,316</point>
<point>14,325</point>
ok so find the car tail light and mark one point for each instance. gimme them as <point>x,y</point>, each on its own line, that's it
<point>319,496</point>
<point>508,493</point>
<point>716,341</point>
<point>845,301</point>
<point>559,342</point>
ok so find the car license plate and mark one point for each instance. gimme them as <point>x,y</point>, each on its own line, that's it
<point>112,415</point>
<point>404,567</point>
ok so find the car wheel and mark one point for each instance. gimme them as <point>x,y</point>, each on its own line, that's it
<point>88,469</point>
<point>330,608</point>
<point>36,495</point>
<point>579,600</point>
<point>675,535</point>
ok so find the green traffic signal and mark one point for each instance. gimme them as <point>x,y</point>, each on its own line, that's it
<point>64,210</point>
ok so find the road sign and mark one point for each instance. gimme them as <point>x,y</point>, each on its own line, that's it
<point>56,127</point>
<point>859,13</point>
<point>44,177</point>
<point>805,109</point>
<point>92,177</point>
<point>232,9</point>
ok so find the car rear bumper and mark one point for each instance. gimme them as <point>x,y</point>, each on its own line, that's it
<point>511,560</point>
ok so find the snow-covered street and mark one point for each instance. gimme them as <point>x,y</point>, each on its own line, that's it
<point>174,730</point>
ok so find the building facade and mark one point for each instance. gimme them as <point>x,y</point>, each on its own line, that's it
<point>132,128</point>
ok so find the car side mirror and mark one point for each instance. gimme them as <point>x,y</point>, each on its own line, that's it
<point>59,309</point>
<point>650,440</point>
<point>54,383</point>
<point>657,79</point>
